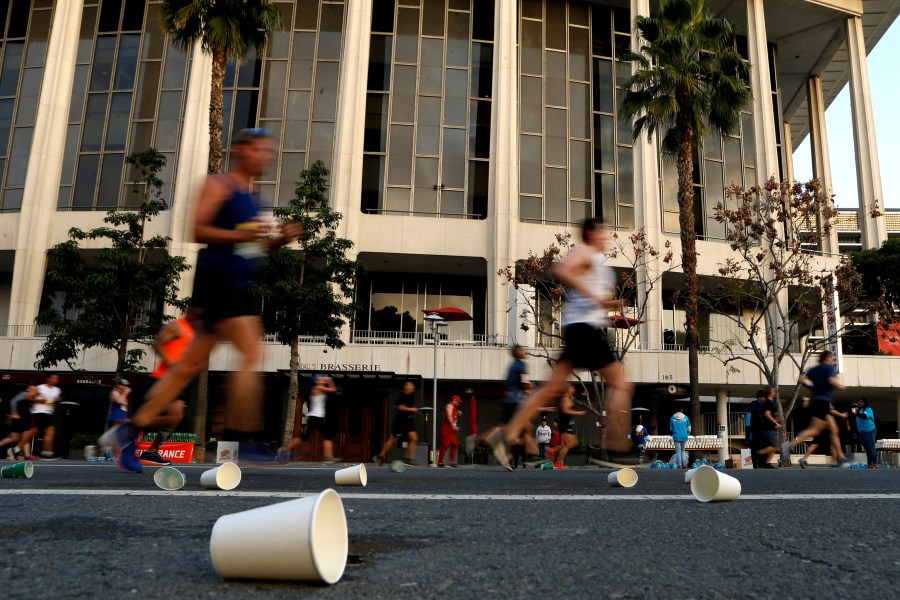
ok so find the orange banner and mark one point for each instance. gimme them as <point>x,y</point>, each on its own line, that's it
<point>177,452</point>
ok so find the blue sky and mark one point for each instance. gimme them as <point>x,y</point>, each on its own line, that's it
<point>885,87</point>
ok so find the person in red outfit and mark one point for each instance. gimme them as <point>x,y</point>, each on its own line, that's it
<point>448,431</point>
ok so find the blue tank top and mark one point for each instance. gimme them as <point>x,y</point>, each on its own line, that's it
<point>241,260</point>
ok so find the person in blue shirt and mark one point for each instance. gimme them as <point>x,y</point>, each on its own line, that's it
<point>680,426</point>
<point>865,427</point>
<point>822,379</point>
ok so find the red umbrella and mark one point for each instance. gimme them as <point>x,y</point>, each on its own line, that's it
<point>449,313</point>
<point>473,420</point>
<point>622,322</point>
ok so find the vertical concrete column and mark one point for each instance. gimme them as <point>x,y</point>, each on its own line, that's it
<point>763,111</point>
<point>503,200</point>
<point>788,151</point>
<point>821,161</point>
<point>193,159</point>
<point>722,423</point>
<point>648,210</point>
<point>868,171</point>
<point>45,163</point>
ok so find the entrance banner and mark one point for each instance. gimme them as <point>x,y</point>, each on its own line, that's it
<point>176,452</point>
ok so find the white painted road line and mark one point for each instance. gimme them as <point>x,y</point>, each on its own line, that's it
<point>444,497</point>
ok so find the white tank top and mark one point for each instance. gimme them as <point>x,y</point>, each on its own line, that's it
<point>317,406</point>
<point>601,280</point>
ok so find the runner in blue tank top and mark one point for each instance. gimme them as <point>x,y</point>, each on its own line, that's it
<point>226,220</point>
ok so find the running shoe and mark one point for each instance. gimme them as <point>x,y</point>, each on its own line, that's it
<point>122,438</point>
<point>10,455</point>
<point>440,466</point>
<point>377,460</point>
<point>410,462</point>
<point>498,447</point>
<point>845,463</point>
<point>786,452</point>
<point>154,458</point>
<point>49,456</point>
<point>452,465</point>
<point>282,457</point>
<point>559,466</point>
<point>330,460</point>
<point>803,463</point>
<point>20,455</point>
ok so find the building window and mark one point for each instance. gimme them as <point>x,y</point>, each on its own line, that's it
<point>24,32</point>
<point>428,108</point>
<point>127,95</point>
<point>576,159</point>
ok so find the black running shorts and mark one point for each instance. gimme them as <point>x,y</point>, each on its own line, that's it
<point>587,347</point>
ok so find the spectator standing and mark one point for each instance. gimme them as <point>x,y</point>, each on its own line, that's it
<point>865,426</point>
<point>765,426</point>
<point>543,433</point>
<point>680,426</point>
<point>448,432</point>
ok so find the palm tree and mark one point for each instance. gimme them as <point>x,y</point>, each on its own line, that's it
<point>228,30</point>
<point>689,77</point>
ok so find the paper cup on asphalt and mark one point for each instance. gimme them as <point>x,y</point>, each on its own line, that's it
<point>302,540</point>
<point>623,478</point>
<point>224,477</point>
<point>689,475</point>
<point>355,475</point>
<point>23,469</point>
<point>709,485</point>
<point>169,479</point>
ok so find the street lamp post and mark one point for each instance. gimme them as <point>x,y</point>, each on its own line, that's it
<point>436,321</point>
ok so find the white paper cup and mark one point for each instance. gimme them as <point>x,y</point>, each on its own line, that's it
<point>709,485</point>
<point>355,475</point>
<point>623,478</point>
<point>689,475</point>
<point>303,539</point>
<point>224,477</point>
<point>169,479</point>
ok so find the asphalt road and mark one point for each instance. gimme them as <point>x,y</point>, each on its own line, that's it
<point>80,530</point>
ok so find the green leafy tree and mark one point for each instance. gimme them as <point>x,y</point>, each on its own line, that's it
<point>307,291</point>
<point>689,77</point>
<point>119,296</point>
<point>226,29</point>
<point>880,271</point>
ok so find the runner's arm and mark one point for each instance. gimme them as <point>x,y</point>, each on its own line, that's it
<point>167,334</point>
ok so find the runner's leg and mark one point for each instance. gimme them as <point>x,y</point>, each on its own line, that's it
<point>532,405</point>
<point>244,402</point>
<point>618,406</point>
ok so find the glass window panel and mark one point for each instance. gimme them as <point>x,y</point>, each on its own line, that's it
<point>64,197</point>
<point>425,197</point>
<point>580,170</point>
<point>625,175</point>
<point>531,163</point>
<point>601,30</point>
<point>712,144</point>
<point>457,39</point>
<point>750,177</point>
<point>148,86</point>
<point>622,19</point>
<point>86,34</point>
<point>404,97</point>
<point>167,124</point>
<point>307,16</point>
<point>330,31</point>
<point>456,99</point>
<point>432,66</point>
<point>18,21</point>
<point>85,181</point>
<point>372,182</point>
<point>325,101</point>
<point>103,62</point>
<point>297,120</point>
<point>321,141</point>
<point>227,105</point>
<point>453,168</point>
<point>533,9</point>
<point>6,110</point>
<point>459,5</point>
<point>383,16</point>
<point>249,71</point>
<point>531,105</point>
<point>557,205</point>
<point>749,137</point>
<point>480,130</point>
<point>671,222</point>
<point>453,203</point>
<point>292,163</point>
<point>12,199</point>
<point>623,126</point>
<point>109,15</point>
<point>79,83</point>
<point>37,38</point>
<point>70,154</point>
<point>407,35</point>
<point>670,184</point>
<point>12,62</point>
<point>433,17</point>
<point>556,25</point>
<point>245,105</point>
<point>176,63</point>
<point>530,208</point>
<point>397,199</point>
<point>532,47</point>
<point>119,116</point>
<point>375,136</point>
<point>605,199</point>
<point>626,217</point>
<point>622,45</point>
<point>578,14</point>
<point>302,60</point>
<point>556,79</point>
<point>479,175</point>
<point>272,104</point>
<point>379,63</point>
<point>400,165</point>
<point>279,43</point>
<point>715,194</point>
<point>579,211</point>
<point>274,127</point>
<point>409,2</point>
<point>733,161</point>
<point>18,157</point>
<point>154,38</point>
<point>580,113</point>
<point>110,181</point>
<point>604,143</point>
<point>141,136</point>
<point>557,140</point>
<point>126,64</point>
<point>28,96</point>
<point>603,86</point>
<point>579,54</point>
<point>699,221</point>
<point>230,75</point>
<point>94,120</point>
<point>483,20</point>
<point>429,125</point>
<point>482,69</point>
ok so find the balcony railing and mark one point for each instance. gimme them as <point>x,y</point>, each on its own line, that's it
<point>425,338</point>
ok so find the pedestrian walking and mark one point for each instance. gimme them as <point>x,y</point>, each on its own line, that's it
<point>680,427</point>
<point>316,420</point>
<point>43,405</point>
<point>227,221</point>
<point>765,427</point>
<point>748,436</point>
<point>591,284</point>
<point>404,426</point>
<point>542,434</point>
<point>567,414</point>
<point>19,420</point>
<point>865,426</point>
<point>449,430</point>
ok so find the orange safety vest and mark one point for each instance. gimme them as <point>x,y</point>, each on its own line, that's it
<point>174,349</point>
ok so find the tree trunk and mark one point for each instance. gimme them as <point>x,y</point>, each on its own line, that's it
<point>201,405</point>
<point>685,165</point>
<point>215,111</point>
<point>293,389</point>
